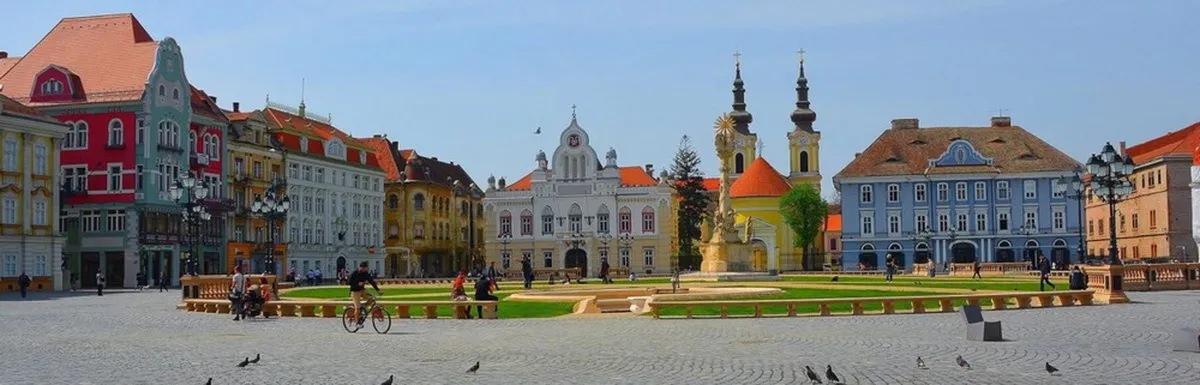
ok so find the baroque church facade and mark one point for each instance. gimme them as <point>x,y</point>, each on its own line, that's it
<point>572,211</point>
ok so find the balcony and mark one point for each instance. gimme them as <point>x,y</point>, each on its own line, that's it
<point>170,148</point>
<point>67,191</point>
<point>115,146</point>
<point>200,159</point>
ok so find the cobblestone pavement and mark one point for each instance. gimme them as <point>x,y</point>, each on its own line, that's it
<point>139,338</point>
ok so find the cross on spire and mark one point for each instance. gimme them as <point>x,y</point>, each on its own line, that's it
<point>1002,112</point>
<point>737,58</point>
<point>572,111</point>
<point>801,54</point>
<point>761,144</point>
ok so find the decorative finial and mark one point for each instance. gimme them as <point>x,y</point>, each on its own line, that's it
<point>572,111</point>
<point>301,90</point>
<point>737,58</point>
<point>761,145</point>
<point>1002,112</point>
<point>268,98</point>
<point>801,54</point>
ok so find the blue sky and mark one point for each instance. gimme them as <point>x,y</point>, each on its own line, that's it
<point>468,81</point>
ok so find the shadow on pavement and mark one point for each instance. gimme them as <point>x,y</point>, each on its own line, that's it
<point>55,295</point>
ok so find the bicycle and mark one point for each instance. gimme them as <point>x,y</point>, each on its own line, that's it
<point>381,320</point>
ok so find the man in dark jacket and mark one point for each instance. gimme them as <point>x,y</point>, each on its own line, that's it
<point>1044,268</point>
<point>527,272</point>
<point>483,292</point>
<point>1078,280</point>
<point>23,281</point>
<point>604,269</point>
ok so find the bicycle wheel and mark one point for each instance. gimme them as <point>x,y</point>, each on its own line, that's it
<point>349,321</point>
<point>381,320</point>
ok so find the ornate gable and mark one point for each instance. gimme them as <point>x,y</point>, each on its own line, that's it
<point>960,153</point>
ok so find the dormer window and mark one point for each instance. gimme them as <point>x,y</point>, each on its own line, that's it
<point>304,144</point>
<point>362,157</point>
<point>52,87</point>
<point>336,149</point>
<point>175,93</point>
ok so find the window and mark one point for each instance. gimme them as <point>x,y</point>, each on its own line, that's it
<point>1136,252</point>
<point>1154,251</point>
<point>962,222</point>
<point>980,191</point>
<point>10,154</point>
<point>547,221</point>
<point>40,159</point>
<point>116,133</point>
<point>505,223</point>
<point>575,220</point>
<point>602,223</point>
<point>1002,221</point>
<point>114,178</point>
<point>960,191</point>
<point>1100,226</point>
<point>943,223</point>
<point>10,265</point>
<point>76,138</point>
<point>893,191</point>
<point>1153,219</point>
<point>419,201</point>
<point>922,222</point>
<point>1002,190</point>
<point>919,192</point>
<point>356,179</point>
<point>868,223</point>
<point>52,87</point>
<point>39,212</point>
<point>1092,228</point>
<point>648,255</point>
<point>864,193</point>
<point>138,182</point>
<point>1060,220</point>
<point>547,258</point>
<point>256,169</point>
<point>1135,221</point>
<point>624,254</point>
<point>1122,219</point>
<point>39,266</point>
<point>624,222</point>
<point>91,220</point>
<point>175,93</point>
<point>1057,190</point>
<point>1031,219</point>
<point>10,210</point>
<point>419,230</point>
<point>943,192</point>
<point>212,146</point>
<point>647,220</point>
<point>75,178</point>
<point>1030,189</point>
<point>141,132</point>
<point>981,222</point>
<point>505,260</point>
<point>116,220</point>
<point>894,224</point>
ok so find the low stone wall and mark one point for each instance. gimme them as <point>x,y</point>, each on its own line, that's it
<point>1000,301</point>
<point>10,285</point>
<point>328,309</point>
<point>217,286</point>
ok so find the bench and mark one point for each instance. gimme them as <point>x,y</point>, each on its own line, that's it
<point>919,304</point>
<point>328,309</point>
<point>977,328</point>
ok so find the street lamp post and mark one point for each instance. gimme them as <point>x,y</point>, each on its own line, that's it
<point>1030,231</point>
<point>626,240</point>
<point>922,235</point>
<point>271,207</point>
<point>504,239</point>
<point>339,226</point>
<point>1110,181</point>
<point>190,192</point>
<point>604,239</point>
<point>1072,187</point>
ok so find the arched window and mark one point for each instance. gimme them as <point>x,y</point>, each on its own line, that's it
<point>867,259</point>
<point>575,219</point>
<point>175,93</point>
<point>211,146</point>
<point>602,219</point>
<point>547,221</point>
<point>162,91</point>
<point>505,223</point>
<point>393,201</point>
<point>1031,250</point>
<point>527,222</point>
<point>895,251</point>
<point>922,253</point>
<point>419,230</point>
<point>116,133</point>
<point>624,222</point>
<point>647,220</point>
<point>81,135</point>
<point>419,201</point>
<point>192,140</point>
<point>1004,252</point>
<point>739,163</point>
<point>803,161</point>
<point>464,208</point>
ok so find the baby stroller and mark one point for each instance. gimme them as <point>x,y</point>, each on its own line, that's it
<point>252,306</point>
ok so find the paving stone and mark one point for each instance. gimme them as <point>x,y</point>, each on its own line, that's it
<point>139,338</point>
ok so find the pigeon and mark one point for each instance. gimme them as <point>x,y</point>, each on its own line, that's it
<point>1051,369</point>
<point>812,376</point>
<point>389,380</point>
<point>834,279</point>
<point>921,363</point>
<point>474,368</point>
<point>963,363</point>
<point>209,381</point>
<point>833,378</point>
<point>538,131</point>
<point>256,358</point>
<point>244,362</point>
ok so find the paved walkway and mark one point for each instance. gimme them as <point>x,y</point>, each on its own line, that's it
<point>139,338</point>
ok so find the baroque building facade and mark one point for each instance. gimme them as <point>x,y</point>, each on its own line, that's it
<point>255,167</point>
<point>957,195</point>
<point>577,213</point>
<point>29,236</point>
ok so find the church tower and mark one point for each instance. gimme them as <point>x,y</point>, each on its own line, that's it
<point>804,142</point>
<point>744,141</point>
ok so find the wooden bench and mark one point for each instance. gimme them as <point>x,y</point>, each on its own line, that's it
<point>328,309</point>
<point>945,303</point>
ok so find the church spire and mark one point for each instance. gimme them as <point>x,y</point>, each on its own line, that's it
<point>741,117</point>
<point>802,116</point>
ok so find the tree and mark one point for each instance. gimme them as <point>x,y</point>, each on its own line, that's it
<point>804,212</point>
<point>693,201</point>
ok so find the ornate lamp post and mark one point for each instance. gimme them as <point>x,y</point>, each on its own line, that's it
<point>271,207</point>
<point>1072,187</point>
<point>1030,231</point>
<point>339,226</point>
<point>921,235</point>
<point>505,240</point>
<point>1111,182</point>
<point>625,240</point>
<point>574,241</point>
<point>604,239</point>
<point>190,192</point>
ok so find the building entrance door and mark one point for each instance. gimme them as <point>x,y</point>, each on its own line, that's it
<point>577,258</point>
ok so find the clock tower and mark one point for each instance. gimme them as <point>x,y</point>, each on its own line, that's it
<point>804,142</point>
<point>744,141</point>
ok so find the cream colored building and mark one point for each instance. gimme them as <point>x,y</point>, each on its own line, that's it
<point>578,212</point>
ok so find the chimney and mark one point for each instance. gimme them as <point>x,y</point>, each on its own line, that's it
<point>905,124</point>
<point>650,169</point>
<point>1121,148</point>
<point>237,107</point>
<point>213,99</point>
<point>857,154</point>
<point>3,55</point>
<point>1001,121</point>
<point>395,146</point>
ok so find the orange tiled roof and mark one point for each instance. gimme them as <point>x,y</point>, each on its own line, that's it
<point>1180,142</point>
<point>759,180</point>
<point>710,184</point>
<point>283,119</point>
<point>12,107</point>
<point>237,116</point>
<point>203,105</point>
<point>7,64</point>
<point>908,151</point>
<point>111,54</point>
<point>383,152</point>
<point>833,222</point>
<point>631,176</point>
<point>417,167</point>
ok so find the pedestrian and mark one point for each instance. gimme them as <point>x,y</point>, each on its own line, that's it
<point>1044,267</point>
<point>164,282</point>
<point>527,272</point>
<point>604,268</point>
<point>237,288</point>
<point>491,273</point>
<point>460,282</point>
<point>484,289</point>
<point>1078,280</point>
<point>891,268</point>
<point>74,282</point>
<point>932,267</point>
<point>100,283</point>
<point>977,267</point>
<point>23,283</point>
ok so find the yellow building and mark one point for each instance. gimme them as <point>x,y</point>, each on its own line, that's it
<point>29,241</point>
<point>255,166</point>
<point>433,213</point>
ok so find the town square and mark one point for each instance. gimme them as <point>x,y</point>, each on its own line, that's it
<point>674,192</point>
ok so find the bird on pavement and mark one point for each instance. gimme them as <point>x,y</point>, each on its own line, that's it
<point>244,362</point>
<point>812,376</point>
<point>209,381</point>
<point>389,380</point>
<point>833,377</point>
<point>474,368</point>
<point>538,131</point>
<point>963,363</point>
<point>256,358</point>
<point>921,363</point>
<point>1051,369</point>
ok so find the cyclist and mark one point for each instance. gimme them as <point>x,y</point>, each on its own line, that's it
<point>358,287</point>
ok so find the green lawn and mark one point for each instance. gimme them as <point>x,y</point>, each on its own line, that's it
<point>798,293</point>
<point>343,292</point>
<point>990,283</point>
<point>508,309</point>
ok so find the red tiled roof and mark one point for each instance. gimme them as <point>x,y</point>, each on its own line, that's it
<point>631,176</point>
<point>710,184</point>
<point>11,107</point>
<point>759,180</point>
<point>203,105</point>
<point>383,152</point>
<point>908,152</point>
<point>7,64</point>
<point>833,222</point>
<point>1181,142</point>
<point>283,119</point>
<point>112,55</point>
<point>237,116</point>
<point>422,168</point>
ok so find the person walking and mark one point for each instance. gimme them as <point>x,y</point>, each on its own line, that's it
<point>484,289</point>
<point>604,269</point>
<point>1044,267</point>
<point>237,288</point>
<point>164,282</point>
<point>891,268</point>
<point>977,267</point>
<point>932,267</point>
<point>100,283</point>
<point>527,272</point>
<point>23,283</point>
<point>491,273</point>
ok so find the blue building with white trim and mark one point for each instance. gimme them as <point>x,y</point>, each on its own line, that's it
<point>957,194</point>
